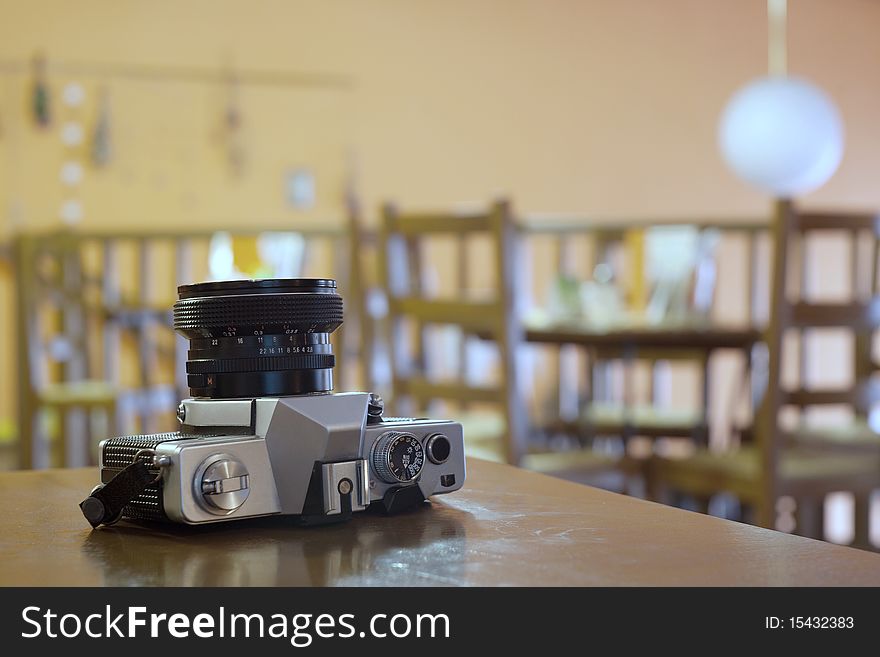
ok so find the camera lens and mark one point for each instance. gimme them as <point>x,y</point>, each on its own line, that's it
<point>259,338</point>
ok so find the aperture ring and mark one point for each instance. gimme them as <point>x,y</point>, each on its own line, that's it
<point>261,364</point>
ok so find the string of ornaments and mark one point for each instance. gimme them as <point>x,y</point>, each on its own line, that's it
<point>72,134</point>
<point>99,150</point>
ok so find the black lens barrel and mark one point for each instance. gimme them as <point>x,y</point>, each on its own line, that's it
<point>260,337</point>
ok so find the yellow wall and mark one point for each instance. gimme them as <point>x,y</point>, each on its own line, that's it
<point>605,107</point>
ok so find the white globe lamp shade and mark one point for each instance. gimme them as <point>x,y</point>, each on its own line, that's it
<point>782,134</point>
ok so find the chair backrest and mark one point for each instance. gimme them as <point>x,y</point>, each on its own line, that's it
<point>403,239</point>
<point>52,332</point>
<point>360,335</point>
<point>860,314</point>
<point>792,310</point>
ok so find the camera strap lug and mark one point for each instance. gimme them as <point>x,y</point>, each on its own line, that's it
<point>401,498</point>
<point>105,504</point>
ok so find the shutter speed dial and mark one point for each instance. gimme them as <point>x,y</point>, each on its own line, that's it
<point>397,457</point>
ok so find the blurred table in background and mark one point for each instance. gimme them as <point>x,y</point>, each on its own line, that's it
<point>637,338</point>
<point>629,341</point>
<point>507,526</point>
<point>624,309</point>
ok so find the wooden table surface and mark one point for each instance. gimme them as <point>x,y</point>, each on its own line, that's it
<point>706,337</point>
<point>505,527</point>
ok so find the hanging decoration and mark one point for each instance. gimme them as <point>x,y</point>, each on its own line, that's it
<point>40,95</point>
<point>351,182</point>
<point>102,150</point>
<point>72,133</point>
<point>71,211</point>
<point>71,173</point>
<point>232,128</point>
<point>781,133</point>
<point>73,95</point>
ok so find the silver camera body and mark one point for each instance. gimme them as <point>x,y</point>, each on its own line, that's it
<point>263,433</point>
<point>318,457</point>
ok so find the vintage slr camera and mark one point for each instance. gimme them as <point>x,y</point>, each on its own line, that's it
<point>263,433</point>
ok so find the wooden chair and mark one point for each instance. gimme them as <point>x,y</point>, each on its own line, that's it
<point>804,464</point>
<point>503,435</point>
<point>53,363</point>
<point>403,240</point>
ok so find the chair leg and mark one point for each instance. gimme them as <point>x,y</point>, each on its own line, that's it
<point>93,428</point>
<point>810,521</point>
<point>861,519</point>
<point>654,490</point>
<point>637,479</point>
<point>58,442</point>
<point>26,432</point>
<point>688,501</point>
<point>111,421</point>
<point>765,513</point>
<point>99,425</point>
<point>700,504</point>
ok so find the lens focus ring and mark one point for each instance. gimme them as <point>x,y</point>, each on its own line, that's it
<point>303,312</point>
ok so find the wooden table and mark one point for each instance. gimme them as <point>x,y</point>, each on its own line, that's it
<point>505,527</point>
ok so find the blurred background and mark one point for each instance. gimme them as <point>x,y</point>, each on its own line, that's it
<point>593,231</point>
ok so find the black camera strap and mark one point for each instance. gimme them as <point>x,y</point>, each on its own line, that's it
<point>105,504</point>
